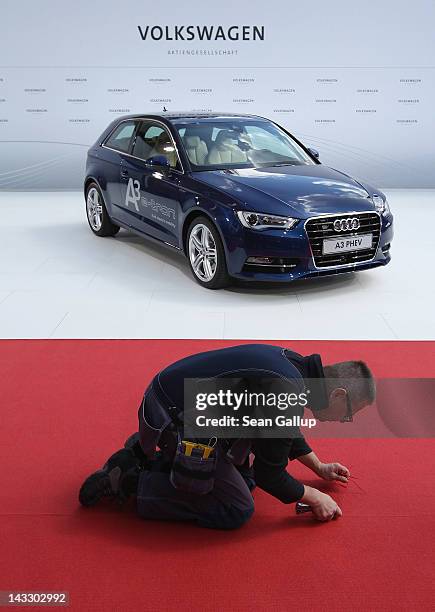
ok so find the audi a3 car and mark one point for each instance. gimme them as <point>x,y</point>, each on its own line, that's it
<point>238,195</point>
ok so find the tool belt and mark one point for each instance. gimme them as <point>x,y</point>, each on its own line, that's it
<point>194,466</point>
<point>193,461</point>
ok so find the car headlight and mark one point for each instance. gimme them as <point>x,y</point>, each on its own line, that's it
<point>381,205</point>
<point>261,221</point>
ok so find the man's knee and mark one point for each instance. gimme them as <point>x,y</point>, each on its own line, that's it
<point>240,518</point>
<point>228,517</point>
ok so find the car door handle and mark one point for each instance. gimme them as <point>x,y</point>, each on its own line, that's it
<point>124,173</point>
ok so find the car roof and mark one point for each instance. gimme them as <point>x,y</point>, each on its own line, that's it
<point>176,117</point>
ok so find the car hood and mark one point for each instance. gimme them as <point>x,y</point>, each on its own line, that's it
<point>299,191</point>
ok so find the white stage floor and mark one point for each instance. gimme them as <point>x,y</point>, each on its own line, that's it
<point>57,280</point>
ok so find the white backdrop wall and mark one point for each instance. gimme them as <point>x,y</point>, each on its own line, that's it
<point>356,80</point>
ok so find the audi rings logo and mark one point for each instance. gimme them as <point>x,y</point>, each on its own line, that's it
<point>346,225</point>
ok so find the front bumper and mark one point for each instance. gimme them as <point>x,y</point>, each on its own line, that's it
<point>292,248</point>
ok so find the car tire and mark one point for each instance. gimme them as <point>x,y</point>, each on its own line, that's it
<point>96,213</point>
<point>206,255</point>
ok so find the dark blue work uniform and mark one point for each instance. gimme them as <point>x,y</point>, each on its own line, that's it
<point>230,503</point>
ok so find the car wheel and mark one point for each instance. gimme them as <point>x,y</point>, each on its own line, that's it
<point>206,254</point>
<point>96,212</point>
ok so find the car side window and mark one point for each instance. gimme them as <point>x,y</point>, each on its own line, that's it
<point>120,138</point>
<point>153,139</point>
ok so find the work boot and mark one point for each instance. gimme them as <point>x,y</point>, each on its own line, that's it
<point>121,469</point>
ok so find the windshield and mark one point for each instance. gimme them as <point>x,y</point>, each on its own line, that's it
<point>241,143</point>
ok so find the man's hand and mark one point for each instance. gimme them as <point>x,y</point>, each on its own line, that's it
<point>333,471</point>
<point>323,506</point>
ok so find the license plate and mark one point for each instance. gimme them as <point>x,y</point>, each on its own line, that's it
<point>346,244</point>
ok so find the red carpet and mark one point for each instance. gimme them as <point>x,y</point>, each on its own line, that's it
<point>66,405</point>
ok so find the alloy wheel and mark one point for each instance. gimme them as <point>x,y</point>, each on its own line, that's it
<point>202,252</point>
<point>94,207</point>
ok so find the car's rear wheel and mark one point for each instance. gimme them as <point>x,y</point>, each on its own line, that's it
<point>96,212</point>
<point>206,254</point>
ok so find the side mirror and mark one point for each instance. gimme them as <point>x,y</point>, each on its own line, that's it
<point>314,152</point>
<point>158,162</point>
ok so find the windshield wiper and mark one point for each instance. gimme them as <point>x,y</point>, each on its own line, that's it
<point>283,164</point>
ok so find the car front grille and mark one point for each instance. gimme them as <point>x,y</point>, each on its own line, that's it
<point>320,228</point>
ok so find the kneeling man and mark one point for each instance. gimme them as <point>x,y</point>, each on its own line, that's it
<point>222,498</point>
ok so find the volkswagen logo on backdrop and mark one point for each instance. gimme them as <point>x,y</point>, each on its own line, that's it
<point>346,225</point>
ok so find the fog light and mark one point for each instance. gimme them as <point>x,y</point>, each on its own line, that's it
<point>260,260</point>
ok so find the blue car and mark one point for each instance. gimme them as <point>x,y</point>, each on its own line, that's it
<point>238,195</point>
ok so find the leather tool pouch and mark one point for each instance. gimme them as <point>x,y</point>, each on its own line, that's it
<point>193,472</point>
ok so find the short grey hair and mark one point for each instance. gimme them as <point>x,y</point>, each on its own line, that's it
<point>355,377</point>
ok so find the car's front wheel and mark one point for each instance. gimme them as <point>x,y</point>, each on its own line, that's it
<point>96,212</point>
<point>206,254</point>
